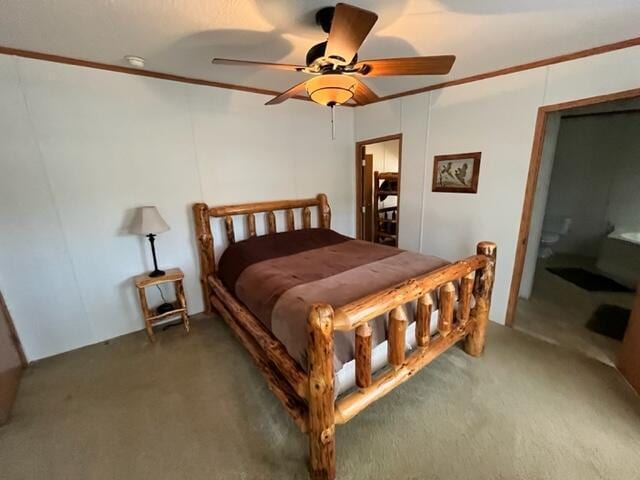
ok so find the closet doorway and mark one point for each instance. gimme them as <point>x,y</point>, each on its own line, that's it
<point>378,164</point>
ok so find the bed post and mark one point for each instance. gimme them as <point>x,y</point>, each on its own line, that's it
<point>324,210</point>
<point>205,251</point>
<point>474,343</point>
<point>321,402</point>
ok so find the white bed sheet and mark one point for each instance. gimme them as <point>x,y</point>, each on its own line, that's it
<point>345,378</point>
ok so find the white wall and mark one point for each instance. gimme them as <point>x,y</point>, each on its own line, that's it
<point>385,155</point>
<point>497,117</point>
<point>623,210</point>
<point>80,148</point>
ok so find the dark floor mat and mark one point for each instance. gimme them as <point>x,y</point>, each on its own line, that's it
<point>610,320</point>
<point>589,280</point>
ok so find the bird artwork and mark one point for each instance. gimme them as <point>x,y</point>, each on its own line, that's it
<point>461,174</point>
<point>456,173</point>
<point>450,176</point>
<point>445,171</point>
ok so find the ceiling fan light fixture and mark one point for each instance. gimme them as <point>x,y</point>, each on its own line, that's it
<point>331,89</point>
<point>335,60</point>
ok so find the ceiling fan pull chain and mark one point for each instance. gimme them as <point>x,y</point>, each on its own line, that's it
<point>333,124</point>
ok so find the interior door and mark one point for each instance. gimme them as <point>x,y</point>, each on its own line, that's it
<point>11,362</point>
<point>367,197</point>
<point>629,356</point>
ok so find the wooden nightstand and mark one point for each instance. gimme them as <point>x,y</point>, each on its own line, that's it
<point>173,275</point>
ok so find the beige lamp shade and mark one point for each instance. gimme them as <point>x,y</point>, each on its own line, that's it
<point>148,220</point>
<point>331,89</point>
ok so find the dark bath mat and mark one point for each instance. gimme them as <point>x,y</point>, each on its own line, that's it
<point>589,280</point>
<point>610,320</point>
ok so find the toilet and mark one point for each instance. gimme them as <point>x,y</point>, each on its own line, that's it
<point>553,229</point>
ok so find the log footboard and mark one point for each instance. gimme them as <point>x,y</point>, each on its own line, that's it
<point>474,344</point>
<point>308,396</point>
<point>321,404</point>
<point>474,276</point>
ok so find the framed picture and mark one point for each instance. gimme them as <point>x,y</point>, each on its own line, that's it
<point>456,173</point>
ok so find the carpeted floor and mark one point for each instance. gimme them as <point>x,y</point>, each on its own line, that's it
<point>194,407</point>
<point>558,311</point>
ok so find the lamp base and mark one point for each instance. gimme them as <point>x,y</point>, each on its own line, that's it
<point>157,273</point>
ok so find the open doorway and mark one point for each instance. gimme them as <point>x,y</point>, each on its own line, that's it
<point>378,163</point>
<point>580,262</point>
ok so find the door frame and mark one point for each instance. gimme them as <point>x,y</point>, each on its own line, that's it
<point>12,331</point>
<point>367,230</point>
<point>12,367</point>
<point>532,181</point>
<point>360,148</point>
<point>628,361</point>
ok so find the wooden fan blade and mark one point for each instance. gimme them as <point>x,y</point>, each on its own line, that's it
<point>349,27</point>
<point>363,93</point>
<point>435,65</point>
<point>292,92</point>
<point>249,63</point>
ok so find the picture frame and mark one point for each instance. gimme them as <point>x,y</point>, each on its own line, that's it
<point>456,173</point>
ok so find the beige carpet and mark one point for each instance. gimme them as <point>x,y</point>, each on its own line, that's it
<point>558,310</point>
<point>194,407</point>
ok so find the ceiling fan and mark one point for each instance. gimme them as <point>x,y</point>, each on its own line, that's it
<point>335,65</point>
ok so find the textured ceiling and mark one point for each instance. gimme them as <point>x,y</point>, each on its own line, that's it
<point>182,36</point>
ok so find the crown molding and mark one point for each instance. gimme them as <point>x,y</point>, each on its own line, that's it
<point>632,42</point>
<point>49,57</point>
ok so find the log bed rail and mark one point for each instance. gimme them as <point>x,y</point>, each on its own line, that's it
<point>308,395</point>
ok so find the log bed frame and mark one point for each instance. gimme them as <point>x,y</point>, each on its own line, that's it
<point>308,395</point>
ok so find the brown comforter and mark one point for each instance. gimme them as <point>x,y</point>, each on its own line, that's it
<point>279,276</point>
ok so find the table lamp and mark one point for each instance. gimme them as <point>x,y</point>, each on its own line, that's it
<point>148,222</point>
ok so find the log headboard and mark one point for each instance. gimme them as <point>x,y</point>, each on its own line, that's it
<point>202,214</point>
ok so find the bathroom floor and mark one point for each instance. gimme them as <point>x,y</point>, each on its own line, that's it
<point>558,310</point>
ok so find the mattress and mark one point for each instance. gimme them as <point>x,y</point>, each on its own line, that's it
<point>279,276</point>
